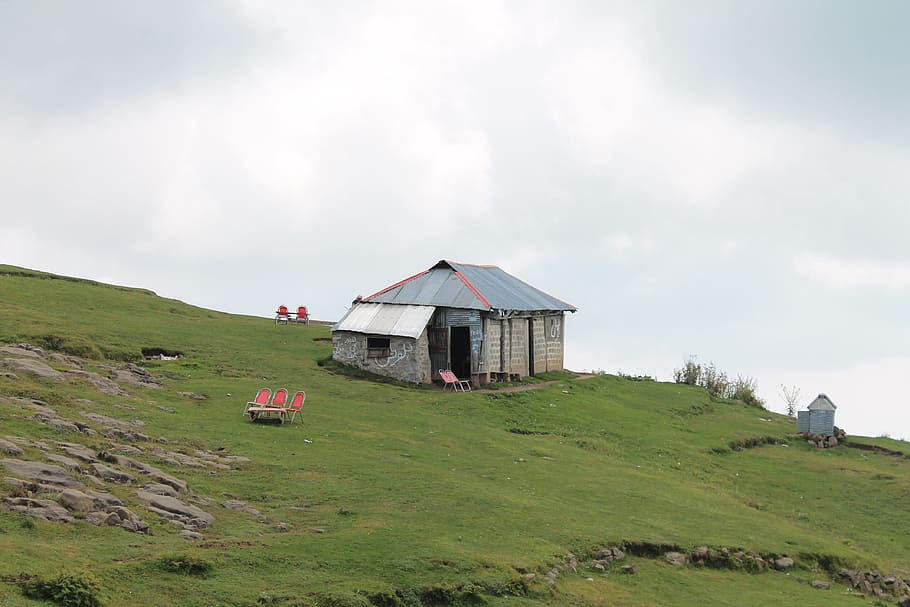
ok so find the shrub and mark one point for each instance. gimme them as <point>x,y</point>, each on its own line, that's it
<point>66,590</point>
<point>185,565</point>
<point>717,384</point>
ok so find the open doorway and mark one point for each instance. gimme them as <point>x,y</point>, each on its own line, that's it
<point>460,348</point>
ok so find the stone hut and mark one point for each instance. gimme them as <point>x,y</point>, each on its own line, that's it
<point>818,419</point>
<point>477,320</point>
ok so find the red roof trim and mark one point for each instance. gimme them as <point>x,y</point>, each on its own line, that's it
<point>474,290</point>
<point>397,284</point>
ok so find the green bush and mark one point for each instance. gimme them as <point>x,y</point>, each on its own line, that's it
<point>66,590</point>
<point>185,565</point>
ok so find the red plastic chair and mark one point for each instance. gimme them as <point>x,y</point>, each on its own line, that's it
<point>261,399</point>
<point>303,315</point>
<point>296,406</point>
<point>282,316</point>
<point>280,399</point>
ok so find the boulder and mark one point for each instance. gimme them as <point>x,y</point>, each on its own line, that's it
<point>783,563</point>
<point>32,366</point>
<point>22,351</point>
<point>39,472</point>
<point>181,511</point>
<point>101,383</point>
<point>904,602</point>
<point>9,448</point>
<point>675,558</point>
<point>66,462</point>
<point>76,501</point>
<point>80,452</point>
<point>43,509</point>
<point>821,584</point>
<point>111,474</point>
<point>160,489</point>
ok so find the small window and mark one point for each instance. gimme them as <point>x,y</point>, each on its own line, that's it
<point>379,347</point>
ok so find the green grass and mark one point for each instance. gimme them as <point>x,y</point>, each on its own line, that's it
<point>391,489</point>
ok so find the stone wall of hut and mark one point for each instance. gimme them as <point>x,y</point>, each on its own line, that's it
<point>407,359</point>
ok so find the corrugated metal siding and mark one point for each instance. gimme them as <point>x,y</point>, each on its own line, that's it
<point>386,319</point>
<point>821,422</point>
<point>802,422</point>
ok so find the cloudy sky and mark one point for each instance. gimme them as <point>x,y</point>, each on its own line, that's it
<point>724,179</point>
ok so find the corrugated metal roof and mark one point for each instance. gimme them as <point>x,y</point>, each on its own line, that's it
<point>385,319</point>
<point>457,285</point>
<point>822,403</point>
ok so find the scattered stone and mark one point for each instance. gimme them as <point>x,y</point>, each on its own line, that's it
<point>821,585</point>
<point>628,569</point>
<point>191,535</point>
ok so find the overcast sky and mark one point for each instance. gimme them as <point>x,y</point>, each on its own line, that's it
<point>721,179</point>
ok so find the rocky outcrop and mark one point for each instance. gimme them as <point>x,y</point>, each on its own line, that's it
<point>9,448</point>
<point>34,367</point>
<point>44,509</point>
<point>875,583</point>
<point>40,473</point>
<point>172,508</point>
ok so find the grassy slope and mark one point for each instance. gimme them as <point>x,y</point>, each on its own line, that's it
<point>404,488</point>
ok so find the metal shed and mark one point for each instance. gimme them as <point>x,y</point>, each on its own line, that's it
<point>818,418</point>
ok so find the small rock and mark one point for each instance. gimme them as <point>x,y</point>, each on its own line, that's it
<point>191,535</point>
<point>9,448</point>
<point>821,585</point>
<point>675,558</point>
<point>782,563</point>
<point>629,569</point>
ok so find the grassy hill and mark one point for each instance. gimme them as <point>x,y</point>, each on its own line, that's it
<point>394,495</point>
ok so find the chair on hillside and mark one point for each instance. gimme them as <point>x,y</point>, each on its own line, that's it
<point>276,407</point>
<point>261,399</point>
<point>451,380</point>
<point>280,400</point>
<point>295,408</point>
<point>303,315</point>
<point>282,316</point>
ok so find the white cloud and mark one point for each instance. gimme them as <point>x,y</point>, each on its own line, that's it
<point>854,273</point>
<point>617,116</point>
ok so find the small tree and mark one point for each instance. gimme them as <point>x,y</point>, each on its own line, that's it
<point>791,396</point>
